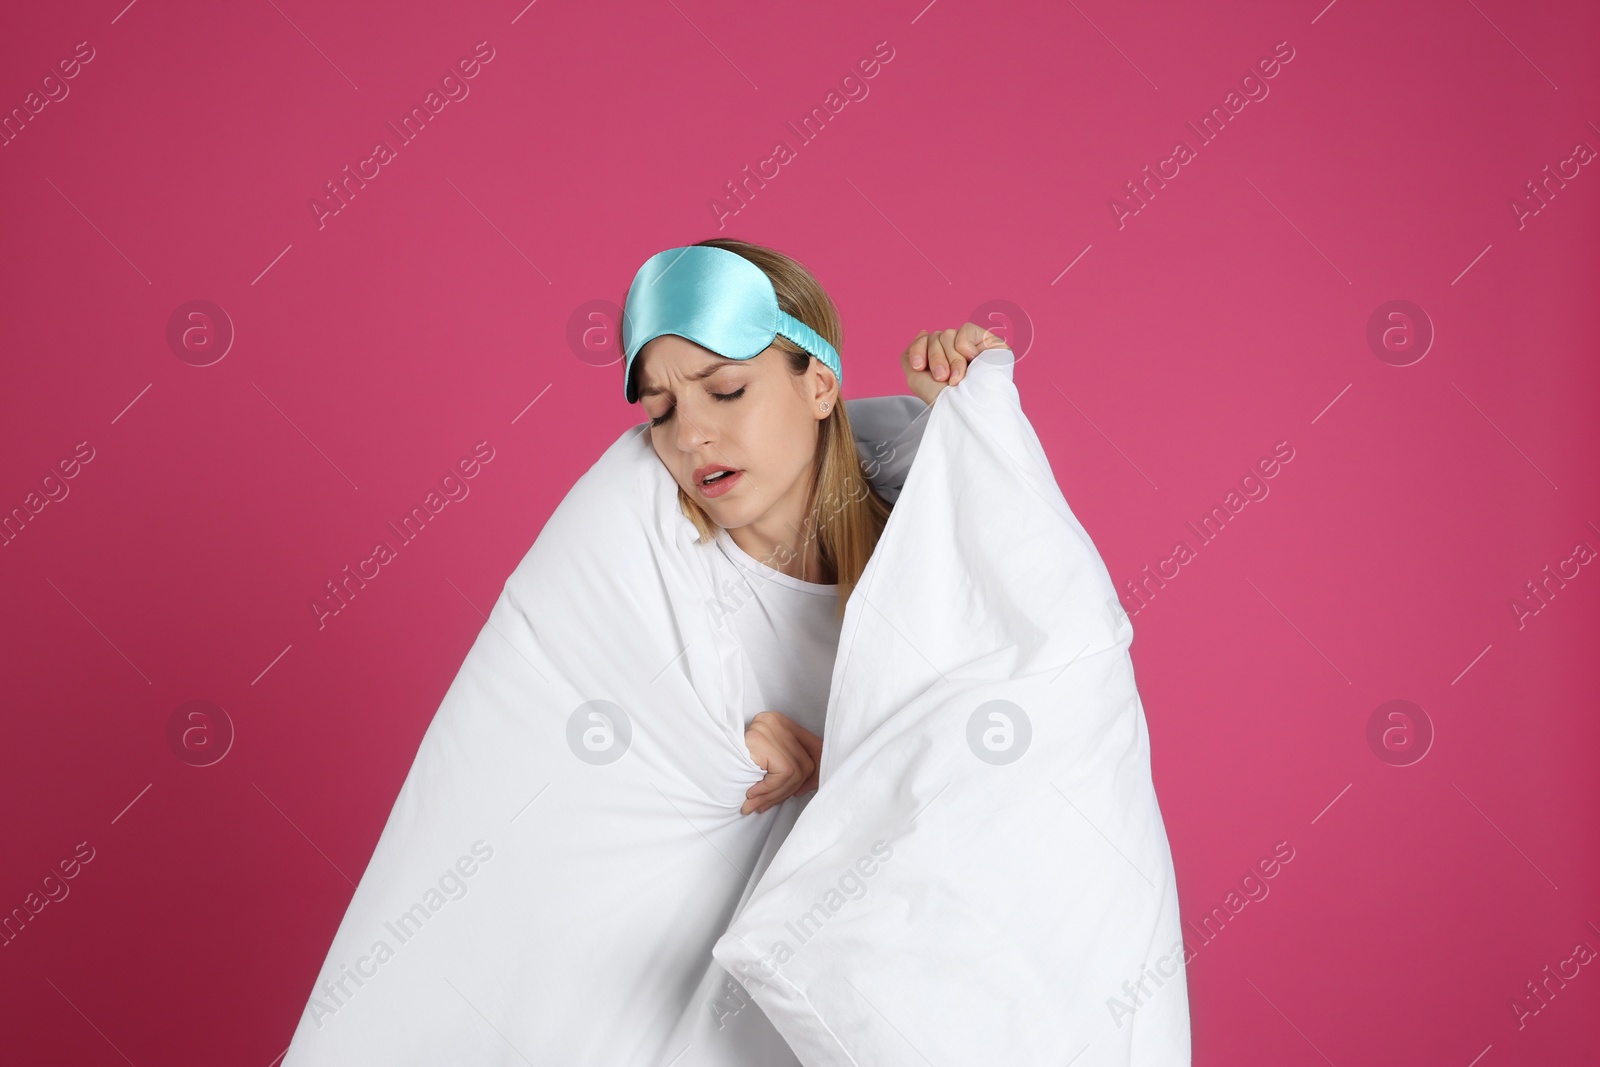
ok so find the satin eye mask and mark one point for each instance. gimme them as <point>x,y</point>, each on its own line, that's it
<point>715,298</point>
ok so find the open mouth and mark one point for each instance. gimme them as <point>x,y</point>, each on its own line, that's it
<point>719,482</point>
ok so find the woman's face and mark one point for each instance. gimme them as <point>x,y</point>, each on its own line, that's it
<point>754,415</point>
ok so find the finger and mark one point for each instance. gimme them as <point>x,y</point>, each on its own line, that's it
<point>938,359</point>
<point>766,720</point>
<point>969,339</point>
<point>771,727</point>
<point>755,804</point>
<point>797,762</point>
<point>918,351</point>
<point>925,350</point>
<point>955,362</point>
<point>760,800</point>
<point>763,794</point>
<point>772,781</point>
<point>952,355</point>
<point>788,780</point>
<point>751,803</point>
<point>980,340</point>
<point>763,749</point>
<point>778,767</point>
<point>783,775</point>
<point>813,748</point>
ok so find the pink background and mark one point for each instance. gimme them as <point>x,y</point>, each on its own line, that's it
<point>446,304</point>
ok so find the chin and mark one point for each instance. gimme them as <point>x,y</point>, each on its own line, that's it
<point>726,516</point>
<point>732,510</point>
<point>730,514</point>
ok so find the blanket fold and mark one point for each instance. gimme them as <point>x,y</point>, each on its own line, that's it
<point>984,864</point>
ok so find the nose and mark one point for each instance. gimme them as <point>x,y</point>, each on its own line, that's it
<point>693,432</point>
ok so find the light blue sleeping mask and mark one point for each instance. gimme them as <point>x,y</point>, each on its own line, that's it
<point>715,298</point>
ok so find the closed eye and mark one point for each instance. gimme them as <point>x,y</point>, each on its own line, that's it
<point>665,415</point>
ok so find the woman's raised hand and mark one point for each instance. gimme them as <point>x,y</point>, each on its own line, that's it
<point>936,359</point>
<point>788,752</point>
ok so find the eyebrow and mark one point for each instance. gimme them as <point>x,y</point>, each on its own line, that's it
<point>704,372</point>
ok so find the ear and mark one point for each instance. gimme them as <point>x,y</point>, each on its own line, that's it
<point>824,388</point>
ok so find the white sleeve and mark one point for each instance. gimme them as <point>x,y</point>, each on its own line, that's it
<point>888,432</point>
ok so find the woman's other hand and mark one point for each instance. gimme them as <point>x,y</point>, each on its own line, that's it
<point>937,359</point>
<point>788,752</point>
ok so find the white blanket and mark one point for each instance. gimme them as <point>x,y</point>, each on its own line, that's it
<point>981,871</point>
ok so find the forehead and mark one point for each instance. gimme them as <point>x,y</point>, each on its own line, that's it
<point>671,355</point>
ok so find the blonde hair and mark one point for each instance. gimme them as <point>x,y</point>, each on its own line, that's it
<point>845,515</point>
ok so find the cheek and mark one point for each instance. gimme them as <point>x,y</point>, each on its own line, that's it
<point>781,450</point>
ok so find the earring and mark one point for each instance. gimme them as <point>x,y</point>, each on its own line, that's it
<point>824,405</point>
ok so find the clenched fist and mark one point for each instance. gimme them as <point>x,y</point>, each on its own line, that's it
<point>788,752</point>
<point>937,359</point>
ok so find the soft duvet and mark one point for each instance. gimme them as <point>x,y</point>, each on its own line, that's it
<point>982,876</point>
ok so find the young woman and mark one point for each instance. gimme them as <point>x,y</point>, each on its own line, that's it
<point>767,469</point>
